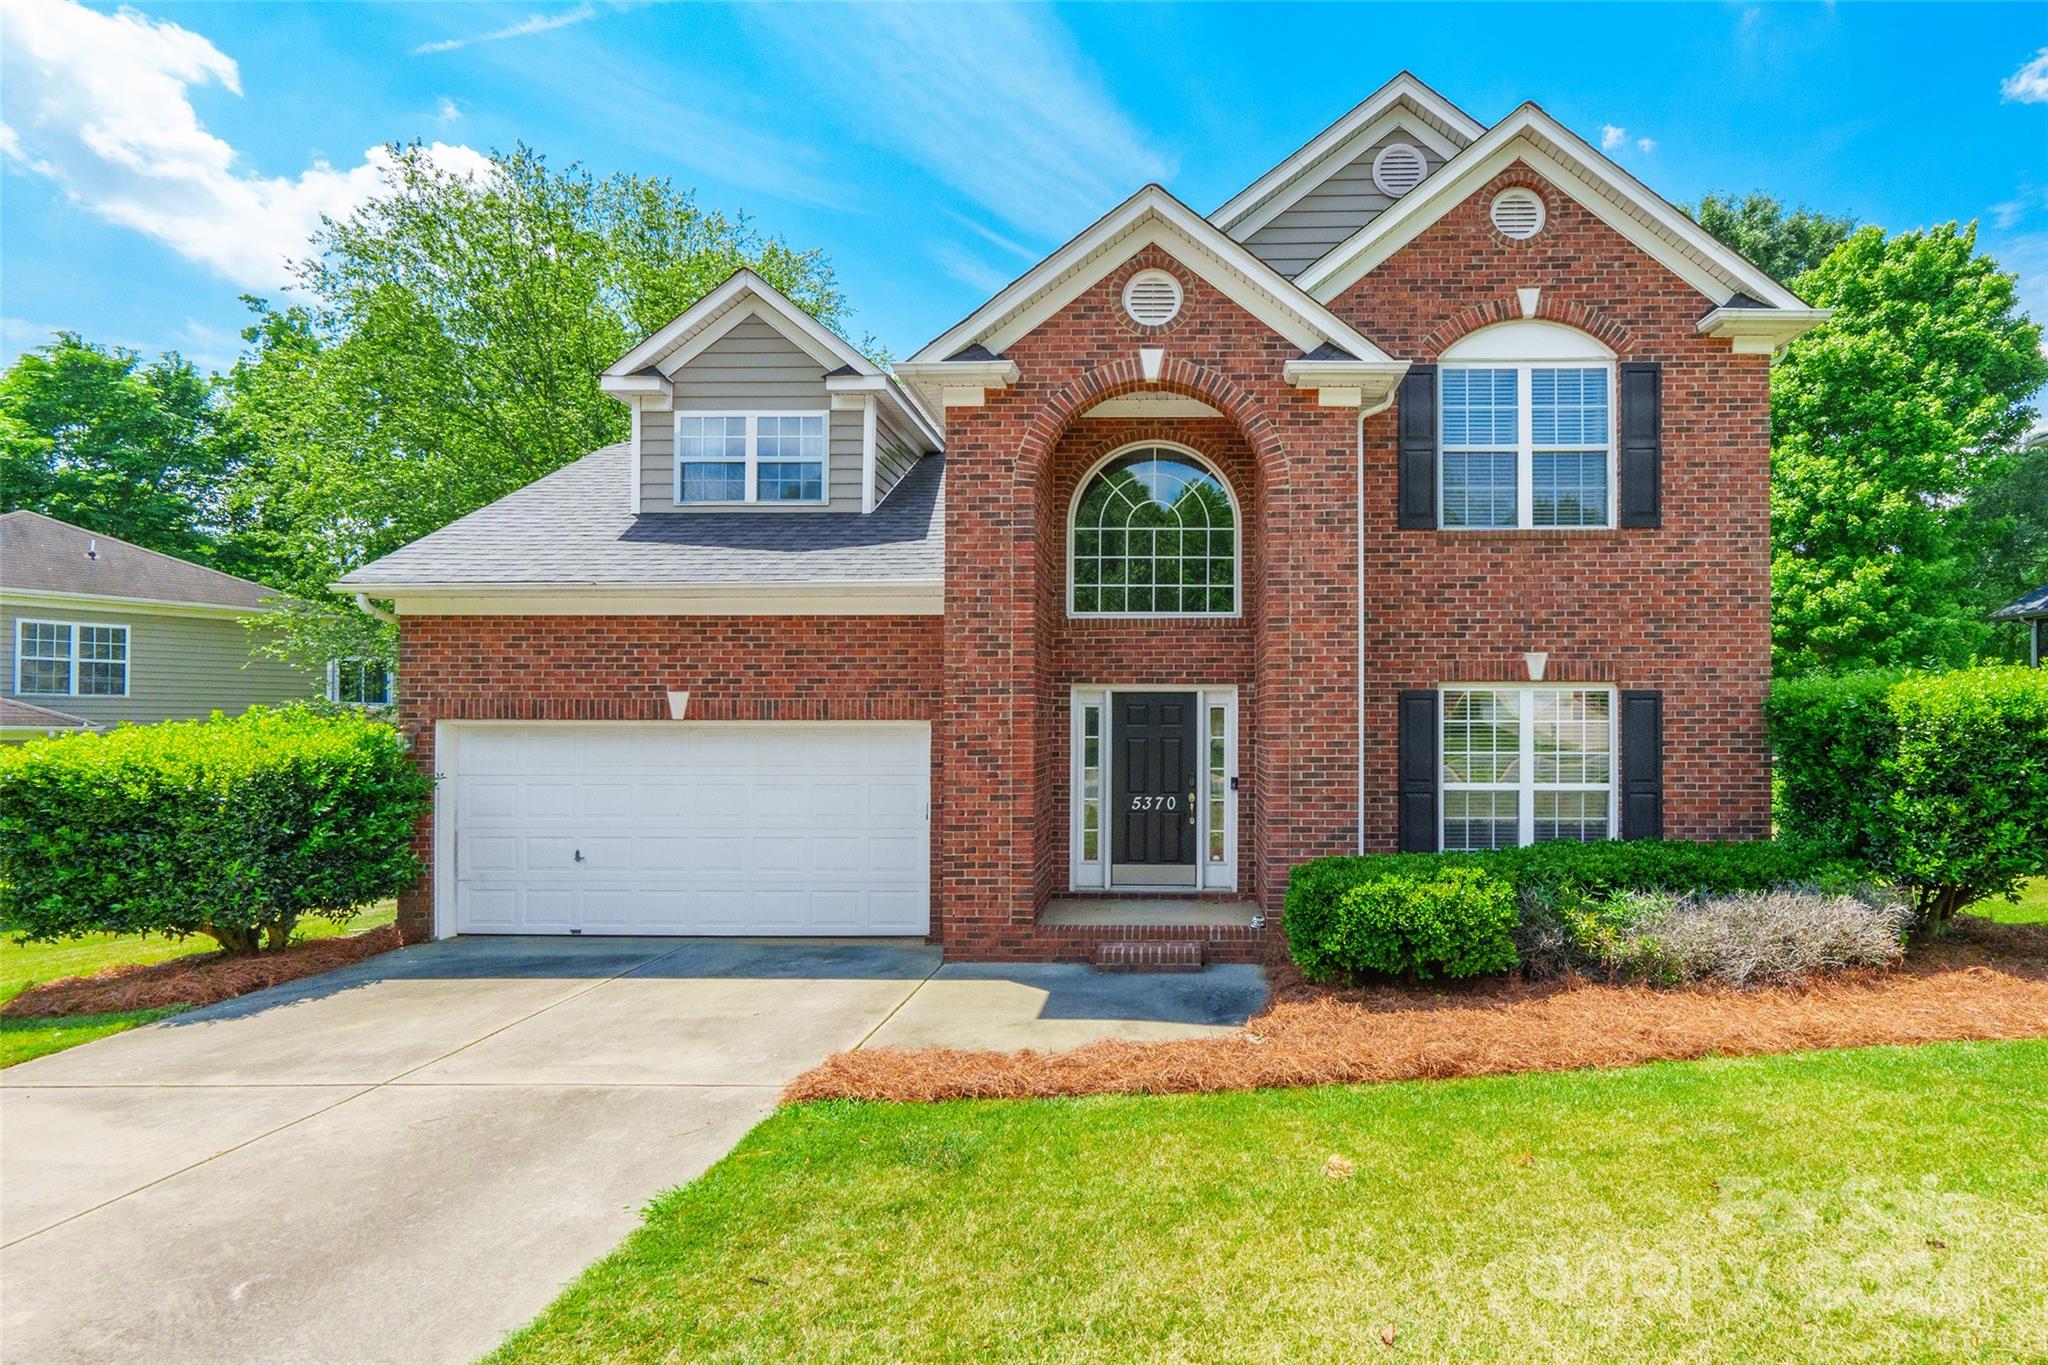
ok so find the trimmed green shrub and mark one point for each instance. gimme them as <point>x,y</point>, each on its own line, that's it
<point>1453,920</point>
<point>1939,782</point>
<point>233,828</point>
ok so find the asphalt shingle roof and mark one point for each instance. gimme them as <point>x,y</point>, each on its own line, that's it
<point>43,554</point>
<point>24,715</point>
<point>573,527</point>
<point>2034,603</point>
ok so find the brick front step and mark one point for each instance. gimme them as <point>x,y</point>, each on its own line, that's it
<point>1149,955</point>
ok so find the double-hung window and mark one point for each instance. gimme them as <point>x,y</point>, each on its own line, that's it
<point>768,457</point>
<point>1526,443</point>
<point>70,659</point>
<point>1525,765</point>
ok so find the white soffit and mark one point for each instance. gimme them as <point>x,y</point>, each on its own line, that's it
<point>1151,217</point>
<point>1438,123</point>
<point>1606,190</point>
<point>1152,405</point>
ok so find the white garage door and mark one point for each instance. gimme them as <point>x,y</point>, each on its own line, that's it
<point>790,828</point>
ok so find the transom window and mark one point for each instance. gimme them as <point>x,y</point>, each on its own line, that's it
<point>70,659</point>
<point>1527,430</point>
<point>1154,533</point>
<point>750,457</point>
<point>1525,765</point>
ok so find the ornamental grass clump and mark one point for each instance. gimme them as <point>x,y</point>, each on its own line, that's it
<point>235,828</point>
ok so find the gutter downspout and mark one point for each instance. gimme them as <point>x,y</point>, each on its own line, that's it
<point>1363,414</point>
<point>372,609</point>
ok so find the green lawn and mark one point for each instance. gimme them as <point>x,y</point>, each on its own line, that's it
<point>1887,1203</point>
<point>23,965</point>
<point>2032,907</point>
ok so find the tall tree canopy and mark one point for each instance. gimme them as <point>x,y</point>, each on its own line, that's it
<point>1890,421</point>
<point>1786,245</point>
<point>93,436</point>
<point>456,330</point>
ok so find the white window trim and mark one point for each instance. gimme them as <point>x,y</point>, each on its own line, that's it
<point>334,683</point>
<point>752,459</point>
<point>1526,449</point>
<point>1236,540</point>
<point>71,629</point>
<point>1526,785</point>
<point>1094,874</point>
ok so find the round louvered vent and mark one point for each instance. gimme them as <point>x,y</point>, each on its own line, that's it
<point>1398,168</point>
<point>1518,213</point>
<point>1152,297</point>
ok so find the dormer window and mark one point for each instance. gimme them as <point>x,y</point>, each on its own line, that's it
<point>725,459</point>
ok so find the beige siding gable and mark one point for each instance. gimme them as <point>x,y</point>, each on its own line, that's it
<point>1313,225</point>
<point>753,367</point>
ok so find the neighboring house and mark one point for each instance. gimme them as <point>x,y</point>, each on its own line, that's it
<point>2033,610</point>
<point>98,631</point>
<point>1417,498</point>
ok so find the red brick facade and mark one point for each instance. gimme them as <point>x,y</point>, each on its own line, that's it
<point>1682,608</point>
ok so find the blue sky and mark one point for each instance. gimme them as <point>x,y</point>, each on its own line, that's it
<point>162,159</point>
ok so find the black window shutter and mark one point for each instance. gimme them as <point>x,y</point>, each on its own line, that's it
<point>1642,443</point>
<point>1642,765</point>
<point>1417,403</point>
<point>1419,772</point>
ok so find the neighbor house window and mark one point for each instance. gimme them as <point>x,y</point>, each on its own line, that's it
<point>359,682</point>
<point>70,659</point>
<point>1525,765</point>
<point>1153,533</point>
<point>1527,428</point>
<point>750,457</point>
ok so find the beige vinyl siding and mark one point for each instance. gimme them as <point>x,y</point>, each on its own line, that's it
<point>178,666</point>
<point>895,452</point>
<point>752,368</point>
<point>1314,224</point>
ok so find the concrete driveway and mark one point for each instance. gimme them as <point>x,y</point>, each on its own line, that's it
<point>405,1159</point>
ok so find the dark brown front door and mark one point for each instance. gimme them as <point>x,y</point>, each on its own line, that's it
<point>1152,827</point>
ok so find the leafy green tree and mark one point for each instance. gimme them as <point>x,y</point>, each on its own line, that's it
<point>1886,419</point>
<point>91,435</point>
<point>2006,520</point>
<point>1786,245</point>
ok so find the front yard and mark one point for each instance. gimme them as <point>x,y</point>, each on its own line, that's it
<point>25,965</point>
<point>1885,1203</point>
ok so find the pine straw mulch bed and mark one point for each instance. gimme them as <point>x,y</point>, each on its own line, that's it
<point>202,979</point>
<point>1981,982</point>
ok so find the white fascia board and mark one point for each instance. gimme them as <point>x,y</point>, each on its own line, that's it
<point>23,600</point>
<point>1288,193</point>
<point>886,389</point>
<point>1403,88</point>
<point>1761,331</point>
<point>918,597</point>
<point>958,383</point>
<point>638,391</point>
<point>821,342</point>
<point>1347,383</point>
<point>1596,182</point>
<point>1152,216</point>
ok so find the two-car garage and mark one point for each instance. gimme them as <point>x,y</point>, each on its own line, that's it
<point>811,828</point>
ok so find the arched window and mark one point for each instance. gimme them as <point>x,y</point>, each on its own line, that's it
<point>1153,533</point>
<point>1527,428</point>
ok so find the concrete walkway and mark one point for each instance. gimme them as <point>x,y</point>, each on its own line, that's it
<point>405,1159</point>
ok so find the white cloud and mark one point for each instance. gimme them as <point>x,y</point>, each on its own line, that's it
<point>990,235</point>
<point>1646,145</point>
<point>1612,139</point>
<point>2029,84</point>
<point>447,111</point>
<point>995,101</point>
<point>531,24</point>
<point>101,105</point>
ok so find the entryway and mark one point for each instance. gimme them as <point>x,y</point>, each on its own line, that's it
<point>1154,789</point>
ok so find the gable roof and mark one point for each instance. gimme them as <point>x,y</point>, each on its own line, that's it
<point>645,369</point>
<point>1576,167</point>
<point>1432,117</point>
<point>1151,216</point>
<point>22,715</point>
<point>40,554</point>
<point>569,529</point>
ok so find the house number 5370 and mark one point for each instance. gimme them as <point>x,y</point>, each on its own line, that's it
<point>1155,803</point>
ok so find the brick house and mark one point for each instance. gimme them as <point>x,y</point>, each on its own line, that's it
<point>1416,498</point>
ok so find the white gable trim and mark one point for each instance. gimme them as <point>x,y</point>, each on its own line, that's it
<point>744,295</point>
<point>1441,125</point>
<point>1568,161</point>
<point>1150,217</point>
